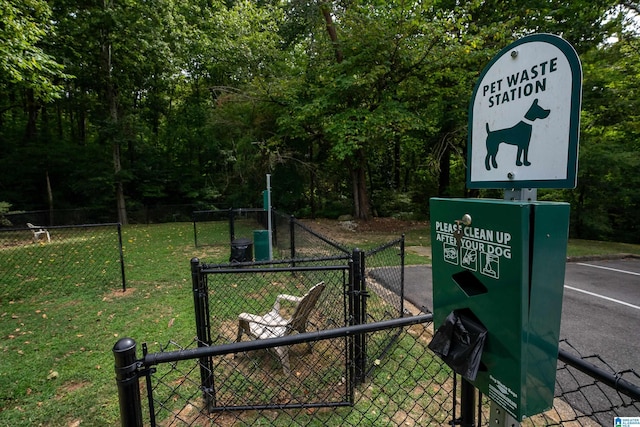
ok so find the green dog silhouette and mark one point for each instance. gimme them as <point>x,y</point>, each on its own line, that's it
<point>518,135</point>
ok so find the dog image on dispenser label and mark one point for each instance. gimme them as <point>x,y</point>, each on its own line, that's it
<point>518,135</point>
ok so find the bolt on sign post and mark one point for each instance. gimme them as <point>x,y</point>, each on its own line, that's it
<point>499,264</point>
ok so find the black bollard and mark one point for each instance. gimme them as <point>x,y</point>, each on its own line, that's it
<point>126,366</point>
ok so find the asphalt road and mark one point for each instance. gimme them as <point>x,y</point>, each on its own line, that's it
<point>600,313</point>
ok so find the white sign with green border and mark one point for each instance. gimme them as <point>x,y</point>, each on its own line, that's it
<point>524,117</point>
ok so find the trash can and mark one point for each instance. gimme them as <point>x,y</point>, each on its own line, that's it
<point>261,239</point>
<point>241,250</point>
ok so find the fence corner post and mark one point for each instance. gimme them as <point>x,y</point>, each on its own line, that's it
<point>122,273</point>
<point>195,229</point>
<point>402,260</point>
<point>200,302</point>
<point>292,237</point>
<point>203,329</point>
<point>126,366</point>
<point>358,314</point>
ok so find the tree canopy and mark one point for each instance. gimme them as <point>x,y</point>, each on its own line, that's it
<point>355,107</point>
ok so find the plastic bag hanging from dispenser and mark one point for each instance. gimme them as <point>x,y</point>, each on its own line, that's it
<point>459,342</point>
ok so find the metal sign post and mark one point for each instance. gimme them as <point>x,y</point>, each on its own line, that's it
<point>498,417</point>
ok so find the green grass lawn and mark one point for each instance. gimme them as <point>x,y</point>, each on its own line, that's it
<point>57,364</point>
<point>575,247</point>
<point>55,344</point>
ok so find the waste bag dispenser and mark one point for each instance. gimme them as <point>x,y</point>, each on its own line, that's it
<point>261,239</point>
<point>501,264</point>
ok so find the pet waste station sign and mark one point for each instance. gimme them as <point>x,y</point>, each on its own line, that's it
<point>524,117</point>
<point>498,266</point>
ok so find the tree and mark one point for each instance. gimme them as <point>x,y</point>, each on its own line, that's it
<point>352,106</point>
<point>605,197</point>
<point>122,53</point>
<point>23,62</point>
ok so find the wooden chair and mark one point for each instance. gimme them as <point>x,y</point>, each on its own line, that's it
<point>38,231</point>
<point>272,324</point>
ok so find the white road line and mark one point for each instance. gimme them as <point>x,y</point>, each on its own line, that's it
<point>602,296</point>
<point>609,268</point>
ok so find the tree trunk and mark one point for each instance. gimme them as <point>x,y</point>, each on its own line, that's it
<point>444,179</point>
<point>312,183</point>
<point>331,30</point>
<point>362,207</point>
<point>396,164</point>
<point>82,126</point>
<point>32,108</point>
<point>112,103</point>
<point>50,199</point>
<point>122,208</point>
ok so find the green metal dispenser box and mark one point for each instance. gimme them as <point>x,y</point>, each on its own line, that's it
<point>504,262</point>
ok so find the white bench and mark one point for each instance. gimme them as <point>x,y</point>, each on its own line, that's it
<point>38,232</point>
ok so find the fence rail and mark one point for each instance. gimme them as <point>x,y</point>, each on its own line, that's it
<point>199,406</point>
<point>410,386</point>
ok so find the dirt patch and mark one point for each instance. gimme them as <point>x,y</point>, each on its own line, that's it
<point>118,293</point>
<point>352,231</point>
<point>70,387</point>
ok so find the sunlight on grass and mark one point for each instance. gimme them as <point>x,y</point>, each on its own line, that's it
<point>592,247</point>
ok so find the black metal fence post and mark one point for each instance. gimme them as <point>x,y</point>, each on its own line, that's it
<point>467,404</point>
<point>349,310</point>
<point>402,276</point>
<point>124,281</point>
<point>203,329</point>
<point>195,229</point>
<point>292,236</point>
<point>126,366</point>
<point>358,314</point>
<point>274,229</point>
<point>232,229</point>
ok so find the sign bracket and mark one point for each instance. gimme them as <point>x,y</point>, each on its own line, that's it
<point>501,418</point>
<point>521,194</point>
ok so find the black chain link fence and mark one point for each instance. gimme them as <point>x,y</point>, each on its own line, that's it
<point>59,260</point>
<point>361,365</point>
<point>402,382</point>
<point>409,386</point>
<point>254,289</point>
<point>384,268</point>
<point>291,239</point>
<point>590,392</point>
<point>242,224</point>
<point>295,240</point>
<point>136,215</point>
<point>375,277</point>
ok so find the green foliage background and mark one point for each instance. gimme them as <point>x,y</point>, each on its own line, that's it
<point>353,106</point>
